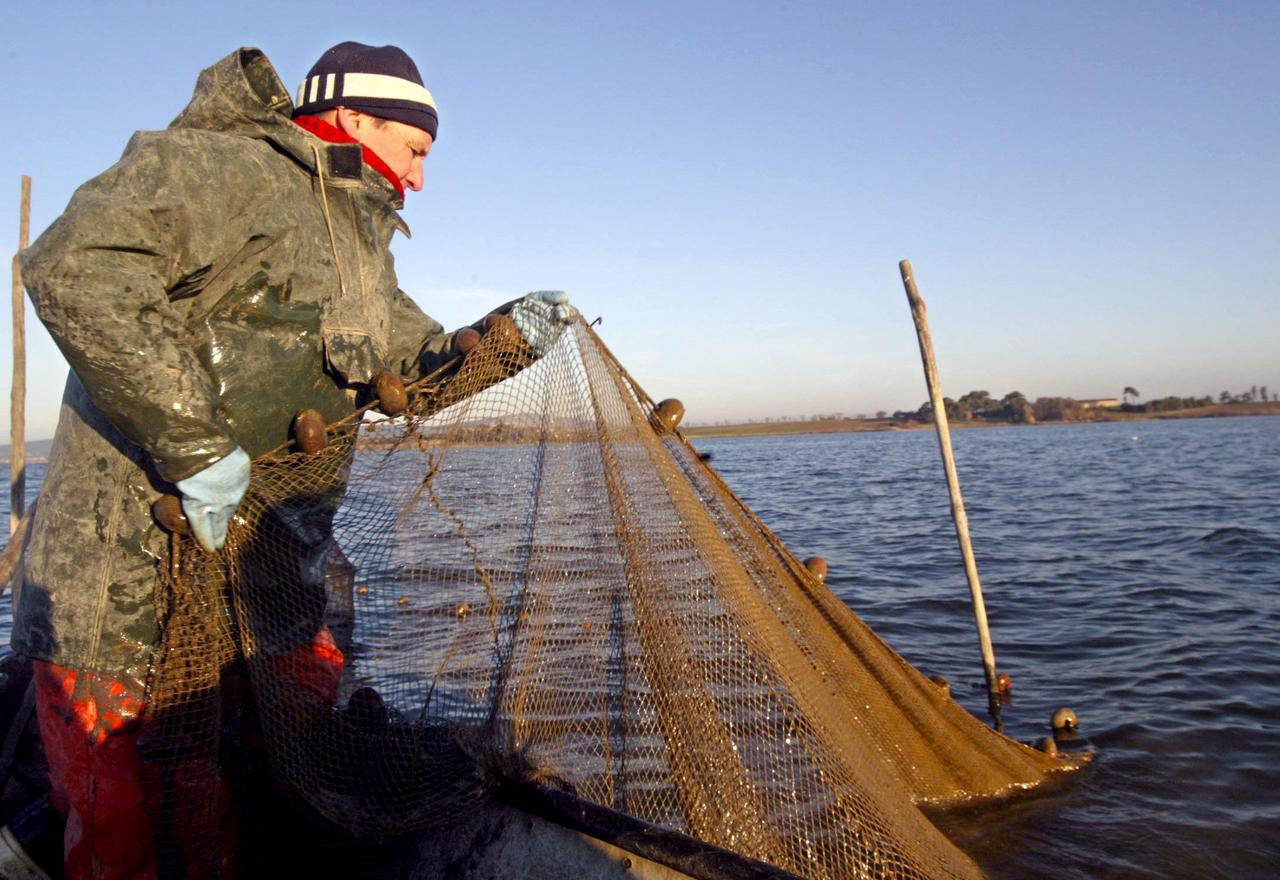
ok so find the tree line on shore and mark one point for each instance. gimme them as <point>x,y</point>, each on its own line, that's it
<point>1015,407</point>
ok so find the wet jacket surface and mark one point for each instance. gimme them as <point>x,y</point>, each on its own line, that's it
<point>225,273</point>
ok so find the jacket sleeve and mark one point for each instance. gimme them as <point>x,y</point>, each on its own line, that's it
<point>108,279</point>
<point>418,343</point>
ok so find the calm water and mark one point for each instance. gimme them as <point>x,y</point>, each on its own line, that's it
<point>1131,572</point>
<point>35,473</point>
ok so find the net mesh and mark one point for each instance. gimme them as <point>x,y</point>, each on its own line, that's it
<point>528,575</point>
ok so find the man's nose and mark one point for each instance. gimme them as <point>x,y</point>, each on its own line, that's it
<point>413,180</point>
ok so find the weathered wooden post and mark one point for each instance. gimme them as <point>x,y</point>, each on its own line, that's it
<point>18,393</point>
<point>953,486</point>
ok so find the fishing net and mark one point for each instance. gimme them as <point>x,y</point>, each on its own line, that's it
<point>529,574</point>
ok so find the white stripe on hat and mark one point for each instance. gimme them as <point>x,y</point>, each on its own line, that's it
<point>379,85</point>
<point>328,85</point>
<point>315,87</point>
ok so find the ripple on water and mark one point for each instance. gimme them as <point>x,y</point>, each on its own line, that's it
<point>1131,572</point>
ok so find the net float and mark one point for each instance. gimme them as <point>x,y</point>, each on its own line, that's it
<point>502,325</point>
<point>667,414</point>
<point>366,708</point>
<point>389,389</point>
<point>403,600</point>
<point>941,683</point>
<point>1004,684</point>
<point>1049,746</point>
<point>1065,719</point>
<point>817,567</point>
<point>466,339</point>
<point>362,590</point>
<point>167,511</point>
<point>503,335</point>
<point>309,431</point>
<point>463,610</point>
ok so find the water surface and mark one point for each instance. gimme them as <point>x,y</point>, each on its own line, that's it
<point>1131,571</point>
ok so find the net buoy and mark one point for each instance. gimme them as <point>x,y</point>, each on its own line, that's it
<point>389,389</point>
<point>167,511</point>
<point>667,414</point>
<point>466,339</point>
<point>1004,684</point>
<point>366,708</point>
<point>817,567</point>
<point>502,325</point>
<point>308,431</point>
<point>1064,719</point>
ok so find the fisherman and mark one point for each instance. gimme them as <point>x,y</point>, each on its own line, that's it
<point>226,273</point>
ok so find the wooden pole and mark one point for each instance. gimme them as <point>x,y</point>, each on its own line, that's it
<point>12,553</point>
<point>18,393</point>
<point>953,486</point>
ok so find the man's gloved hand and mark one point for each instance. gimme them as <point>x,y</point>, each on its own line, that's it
<point>541,316</point>
<point>212,495</point>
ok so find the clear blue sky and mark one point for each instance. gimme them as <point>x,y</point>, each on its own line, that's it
<point>1089,192</point>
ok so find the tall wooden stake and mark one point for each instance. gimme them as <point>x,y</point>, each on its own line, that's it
<point>953,486</point>
<point>18,393</point>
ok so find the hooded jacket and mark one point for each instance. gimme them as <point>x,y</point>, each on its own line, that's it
<point>225,273</point>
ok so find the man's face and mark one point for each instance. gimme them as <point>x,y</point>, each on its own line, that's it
<point>401,146</point>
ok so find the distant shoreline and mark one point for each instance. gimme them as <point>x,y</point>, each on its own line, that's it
<point>37,450</point>
<point>842,426</point>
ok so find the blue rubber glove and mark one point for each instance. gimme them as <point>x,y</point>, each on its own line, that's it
<point>212,495</point>
<point>541,316</point>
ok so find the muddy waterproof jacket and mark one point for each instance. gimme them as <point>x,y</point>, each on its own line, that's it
<point>224,274</point>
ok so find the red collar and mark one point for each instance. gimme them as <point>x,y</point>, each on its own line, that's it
<point>335,135</point>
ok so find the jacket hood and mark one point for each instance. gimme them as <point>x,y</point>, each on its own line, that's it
<point>242,94</point>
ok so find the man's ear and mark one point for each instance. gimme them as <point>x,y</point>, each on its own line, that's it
<point>348,121</point>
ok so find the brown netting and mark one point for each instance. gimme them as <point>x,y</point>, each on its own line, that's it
<point>528,575</point>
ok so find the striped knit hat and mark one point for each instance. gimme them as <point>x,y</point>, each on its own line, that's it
<point>382,81</point>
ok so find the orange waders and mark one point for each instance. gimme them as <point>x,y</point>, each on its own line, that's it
<point>89,724</point>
